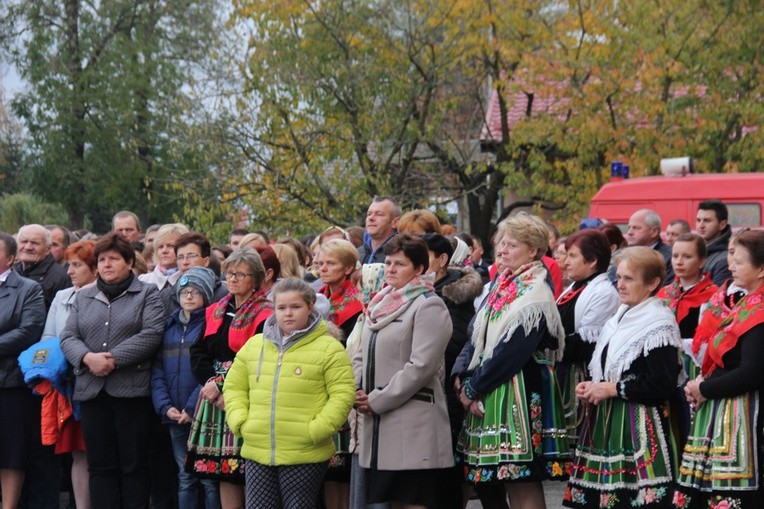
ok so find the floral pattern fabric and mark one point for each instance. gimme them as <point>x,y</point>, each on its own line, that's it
<point>213,450</point>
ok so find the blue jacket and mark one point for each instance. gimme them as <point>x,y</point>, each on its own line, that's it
<point>172,382</point>
<point>45,361</point>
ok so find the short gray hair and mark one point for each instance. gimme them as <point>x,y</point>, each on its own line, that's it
<point>652,218</point>
<point>396,209</point>
<point>39,229</point>
<point>249,257</point>
<point>126,213</point>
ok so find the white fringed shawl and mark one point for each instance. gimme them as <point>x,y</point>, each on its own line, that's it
<point>596,305</point>
<point>632,333</point>
<point>534,301</point>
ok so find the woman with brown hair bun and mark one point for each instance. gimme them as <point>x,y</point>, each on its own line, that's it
<point>584,308</point>
<point>722,461</point>
<point>625,454</point>
<point>688,294</point>
<point>405,445</point>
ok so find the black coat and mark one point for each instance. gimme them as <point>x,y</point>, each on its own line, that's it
<point>51,276</point>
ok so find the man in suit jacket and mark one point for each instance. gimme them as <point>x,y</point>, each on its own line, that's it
<point>645,230</point>
<point>22,316</point>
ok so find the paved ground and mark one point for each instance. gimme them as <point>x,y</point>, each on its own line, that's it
<point>552,491</point>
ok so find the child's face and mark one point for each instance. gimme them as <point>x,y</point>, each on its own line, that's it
<point>292,312</point>
<point>191,299</point>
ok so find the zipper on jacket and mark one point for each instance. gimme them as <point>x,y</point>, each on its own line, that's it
<point>370,382</point>
<point>273,406</point>
<point>177,373</point>
<point>370,363</point>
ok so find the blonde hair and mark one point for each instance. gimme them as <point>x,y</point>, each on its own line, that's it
<point>290,262</point>
<point>648,262</point>
<point>252,240</point>
<point>342,250</point>
<point>169,229</point>
<point>528,229</point>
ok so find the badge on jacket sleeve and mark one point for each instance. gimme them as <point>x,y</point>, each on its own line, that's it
<point>298,371</point>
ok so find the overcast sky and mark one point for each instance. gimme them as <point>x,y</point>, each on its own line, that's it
<point>10,83</point>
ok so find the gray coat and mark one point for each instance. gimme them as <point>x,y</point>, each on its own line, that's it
<point>22,315</point>
<point>130,327</point>
<point>400,366</point>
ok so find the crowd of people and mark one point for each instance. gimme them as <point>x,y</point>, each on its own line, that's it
<point>384,366</point>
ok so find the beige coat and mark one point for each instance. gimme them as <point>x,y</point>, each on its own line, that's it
<point>400,366</point>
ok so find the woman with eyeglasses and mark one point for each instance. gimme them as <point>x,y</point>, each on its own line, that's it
<point>213,449</point>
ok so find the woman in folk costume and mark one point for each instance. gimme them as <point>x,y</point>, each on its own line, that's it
<point>716,309</point>
<point>689,293</point>
<point>687,297</point>
<point>337,260</point>
<point>721,464</point>
<point>624,457</point>
<point>514,432</point>
<point>584,308</point>
<point>214,452</point>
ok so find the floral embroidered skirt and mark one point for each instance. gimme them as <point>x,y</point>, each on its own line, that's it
<point>570,374</point>
<point>720,466</point>
<point>522,435</point>
<point>623,458</point>
<point>213,450</point>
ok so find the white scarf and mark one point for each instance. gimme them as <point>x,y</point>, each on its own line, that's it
<point>526,311</point>
<point>632,333</point>
<point>597,303</point>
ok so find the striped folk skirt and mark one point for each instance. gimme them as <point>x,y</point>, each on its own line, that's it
<point>213,450</point>
<point>721,463</point>
<point>623,458</point>
<point>570,374</point>
<point>522,436</point>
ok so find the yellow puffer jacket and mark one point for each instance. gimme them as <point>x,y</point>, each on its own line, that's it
<point>287,402</point>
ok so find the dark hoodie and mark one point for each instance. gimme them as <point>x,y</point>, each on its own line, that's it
<point>716,257</point>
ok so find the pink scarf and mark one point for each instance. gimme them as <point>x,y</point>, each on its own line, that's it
<point>389,300</point>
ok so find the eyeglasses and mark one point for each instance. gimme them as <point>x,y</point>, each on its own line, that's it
<point>190,292</point>
<point>237,275</point>
<point>189,257</point>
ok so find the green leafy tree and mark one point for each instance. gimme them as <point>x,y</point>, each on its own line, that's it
<point>106,84</point>
<point>19,209</point>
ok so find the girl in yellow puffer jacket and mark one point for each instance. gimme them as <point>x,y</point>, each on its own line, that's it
<point>288,391</point>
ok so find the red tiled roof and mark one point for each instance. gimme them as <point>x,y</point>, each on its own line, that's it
<point>517,104</point>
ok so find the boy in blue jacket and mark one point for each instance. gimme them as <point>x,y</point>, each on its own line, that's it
<point>174,389</point>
